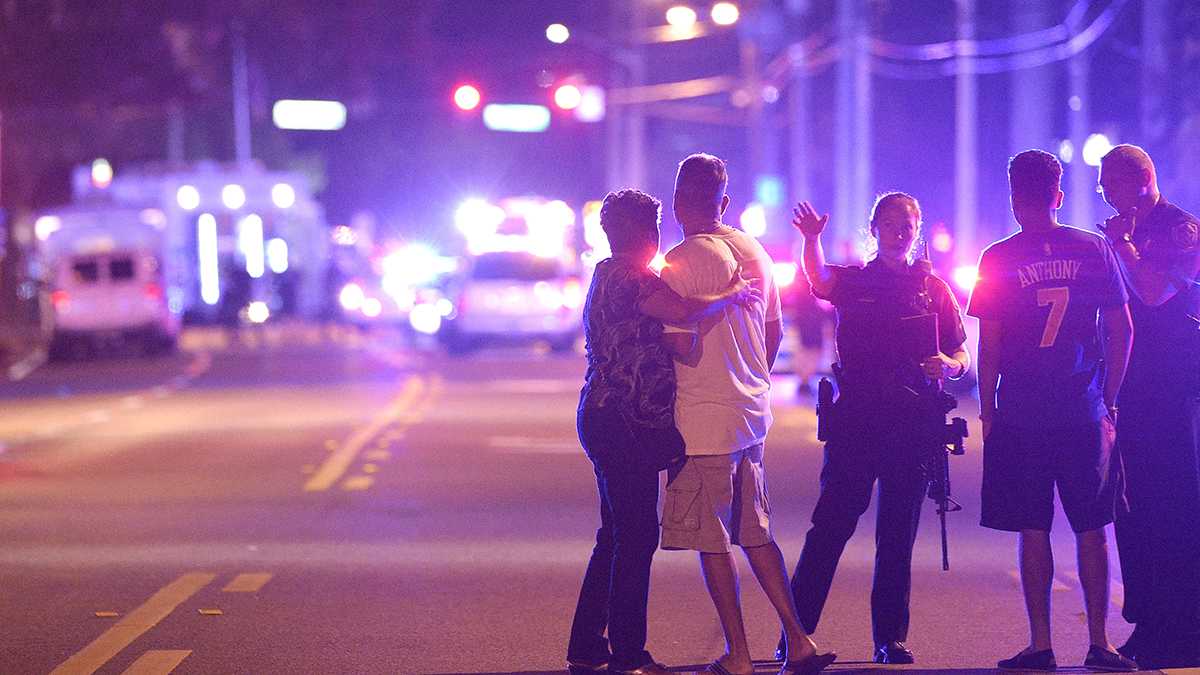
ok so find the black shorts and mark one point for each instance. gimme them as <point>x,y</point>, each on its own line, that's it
<point>1022,466</point>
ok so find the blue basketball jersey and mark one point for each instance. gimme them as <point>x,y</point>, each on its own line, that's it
<point>1046,289</point>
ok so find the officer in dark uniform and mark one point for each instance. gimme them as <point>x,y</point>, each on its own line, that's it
<point>884,366</point>
<point>1158,427</point>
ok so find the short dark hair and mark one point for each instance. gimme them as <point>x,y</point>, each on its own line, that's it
<point>701,180</point>
<point>629,219</point>
<point>1034,176</point>
<point>1128,158</point>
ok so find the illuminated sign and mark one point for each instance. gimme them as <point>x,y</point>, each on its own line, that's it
<point>518,118</point>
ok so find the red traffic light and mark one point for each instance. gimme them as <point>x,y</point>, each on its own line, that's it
<point>467,97</point>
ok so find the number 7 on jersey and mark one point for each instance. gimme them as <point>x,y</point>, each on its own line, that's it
<point>1058,297</point>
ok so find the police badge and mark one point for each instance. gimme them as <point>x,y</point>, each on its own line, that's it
<point>1185,235</point>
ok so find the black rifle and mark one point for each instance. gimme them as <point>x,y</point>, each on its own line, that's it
<point>942,439</point>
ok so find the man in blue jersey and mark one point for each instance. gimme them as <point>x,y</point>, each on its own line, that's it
<point>1158,247</point>
<point>1048,383</point>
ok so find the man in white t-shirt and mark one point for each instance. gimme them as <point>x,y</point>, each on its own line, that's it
<point>718,497</point>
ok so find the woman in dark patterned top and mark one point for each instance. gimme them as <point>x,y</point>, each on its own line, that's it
<point>626,426</point>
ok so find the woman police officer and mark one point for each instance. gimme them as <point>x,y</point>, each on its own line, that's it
<point>882,372</point>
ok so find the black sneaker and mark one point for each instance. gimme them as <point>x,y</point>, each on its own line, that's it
<point>1043,660</point>
<point>893,652</point>
<point>1099,658</point>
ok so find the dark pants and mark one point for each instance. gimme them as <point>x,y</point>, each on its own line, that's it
<point>1158,539</point>
<point>852,466</point>
<point>616,585</point>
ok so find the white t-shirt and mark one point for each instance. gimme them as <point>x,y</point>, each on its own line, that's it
<point>723,404</point>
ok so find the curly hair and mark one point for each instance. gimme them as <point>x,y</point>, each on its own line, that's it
<point>630,219</point>
<point>1035,176</point>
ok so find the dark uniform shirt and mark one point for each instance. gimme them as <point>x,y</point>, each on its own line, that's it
<point>1047,288</point>
<point>1167,239</point>
<point>880,343</point>
<point>628,365</point>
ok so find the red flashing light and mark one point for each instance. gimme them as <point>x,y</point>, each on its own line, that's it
<point>152,291</point>
<point>568,97</point>
<point>59,298</point>
<point>467,97</point>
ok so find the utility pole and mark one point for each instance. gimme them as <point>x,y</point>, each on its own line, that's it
<point>797,107</point>
<point>614,119</point>
<point>176,133</point>
<point>966,132</point>
<point>852,128</point>
<point>1081,177</point>
<point>748,53</point>
<point>635,129</point>
<point>1154,70</point>
<point>241,96</point>
<point>1032,88</point>
<point>625,124</point>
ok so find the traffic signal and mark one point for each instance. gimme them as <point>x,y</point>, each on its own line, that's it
<point>467,97</point>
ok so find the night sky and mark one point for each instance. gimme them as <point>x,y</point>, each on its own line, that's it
<point>80,80</point>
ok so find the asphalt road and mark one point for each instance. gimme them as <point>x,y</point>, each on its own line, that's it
<point>315,501</point>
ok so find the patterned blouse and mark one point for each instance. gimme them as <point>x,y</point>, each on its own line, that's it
<point>628,364</point>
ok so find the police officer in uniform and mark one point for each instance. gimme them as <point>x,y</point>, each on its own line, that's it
<point>1158,427</point>
<point>886,360</point>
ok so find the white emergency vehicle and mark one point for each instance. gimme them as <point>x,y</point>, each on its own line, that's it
<point>521,277</point>
<point>231,236</point>
<point>108,270</point>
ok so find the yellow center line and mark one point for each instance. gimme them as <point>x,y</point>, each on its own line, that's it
<point>357,483</point>
<point>92,657</point>
<point>339,461</point>
<point>157,662</point>
<point>250,582</point>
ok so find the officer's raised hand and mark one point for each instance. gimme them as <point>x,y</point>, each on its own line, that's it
<point>942,366</point>
<point>805,219</point>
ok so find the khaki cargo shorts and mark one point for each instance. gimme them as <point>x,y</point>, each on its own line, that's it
<point>715,501</point>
